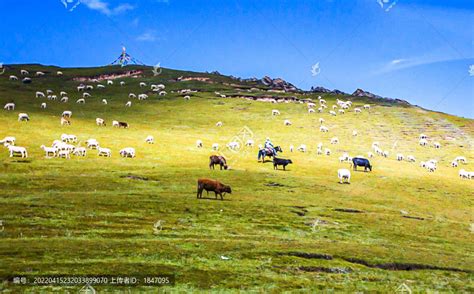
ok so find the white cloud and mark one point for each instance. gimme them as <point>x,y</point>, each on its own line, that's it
<point>147,37</point>
<point>103,7</point>
<point>405,63</point>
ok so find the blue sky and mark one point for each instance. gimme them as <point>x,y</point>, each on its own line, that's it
<point>419,51</point>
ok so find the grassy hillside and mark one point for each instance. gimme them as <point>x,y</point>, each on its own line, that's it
<point>280,230</point>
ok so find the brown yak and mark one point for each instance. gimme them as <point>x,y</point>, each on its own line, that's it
<point>215,159</point>
<point>214,186</point>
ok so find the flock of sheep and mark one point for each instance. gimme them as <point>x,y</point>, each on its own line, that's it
<point>63,148</point>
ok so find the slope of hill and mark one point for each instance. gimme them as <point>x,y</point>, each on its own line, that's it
<point>278,230</point>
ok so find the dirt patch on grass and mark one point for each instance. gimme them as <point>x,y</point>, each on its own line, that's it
<point>414,217</point>
<point>274,184</point>
<point>135,177</point>
<point>330,270</point>
<point>307,255</point>
<point>349,210</point>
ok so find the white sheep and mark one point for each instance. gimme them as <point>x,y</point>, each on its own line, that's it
<point>334,107</point>
<point>199,144</point>
<point>323,129</point>
<point>24,72</point>
<point>110,82</point>
<point>49,150</point>
<point>291,148</point>
<point>357,110</point>
<point>219,124</point>
<point>81,101</point>
<point>334,140</point>
<point>52,97</point>
<point>104,152</point>
<point>436,145</point>
<point>411,158</point>
<point>463,174</point>
<point>142,84</point>
<point>233,145</point>
<point>13,78</point>
<point>68,138</point>
<point>320,109</point>
<point>39,94</point>
<point>322,101</point>
<point>39,73</point>
<point>23,117</point>
<point>327,151</point>
<point>8,141</point>
<point>150,139</point>
<point>131,95</point>
<point>142,96</point>
<point>354,133</point>
<point>100,121</point>
<point>366,106</point>
<point>115,123</point>
<point>333,113</point>
<point>215,146</point>
<point>122,83</point>
<point>17,149</point>
<point>127,152</point>
<point>400,157</point>
<point>67,113</point>
<point>341,111</point>
<point>64,154</point>
<point>92,144</point>
<point>9,106</point>
<point>80,151</point>
<point>104,101</point>
<point>311,110</point>
<point>162,93</point>
<point>250,143</point>
<point>385,154</point>
<point>461,159</point>
<point>302,148</point>
<point>423,142</point>
<point>80,88</point>
<point>64,99</point>
<point>422,136</point>
<point>100,86</point>
<point>62,93</point>
<point>344,175</point>
<point>43,105</point>
<point>430,166</point>
<point>59,73</point>
<point>454,163</point>
<point>128,104</point>
<point>287,122</point>
<point>275,112</point>
<point>370,154</point>
<point>86,95</point>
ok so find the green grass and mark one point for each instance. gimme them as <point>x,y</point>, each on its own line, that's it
<point>83,216</point>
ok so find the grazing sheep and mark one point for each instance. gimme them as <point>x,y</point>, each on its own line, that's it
<point>99,86</point>
<point>334,107</point>
<point>86,95</point>
<point>357,110</point>
<point>341,111</point>
<point>463,174</point>
<point>322,101</point>
<point>24,72</point>
<point>59,73</point>
<point>461,159</point>
<point>122,83</point>
<point>287,122</point>
<point>81,101</point>
<point>422,164</point>
<point>215,146</point>
<point>436,145</point>
<point>142,84</point>
<point>354,133</point>
<point>64,154</point>
<point>127,152</point>
<point>49,150</point>
<point>311,110</point>
<point>52,97</point>
<point>150,139</point>
<point>110,82</point>
<point>104,152</point>
<point>92,144</point>
<point>9,106</point>
<point>199,144</point>
<point>8,141</point>
<point>311,105</point>
<point>411,158</point>
<point>454,163</point>
<point>187,97</point>
<point>366,106</point>
<point>275,112</point>
<point>233,145</point>
<point>80,151</point>
<point>13,78</point>
<point>40,94</point>
<point>142,96</point>
<point>23,117</point>
<point>43,105</point>
<point>422,136</point>
<point>219,124</point>
<point>65,99</point>
<point>68,138</point>
<point>128,104</point>
<point>423,142</point>
<point>334,140</point>
<point>320,109</point>
<point>327,151</point>
<point>104,101</point>
<point>321,120</point>
<point>430,167</point>
<point>385,154</point>
<point>291,148</point>
<point>26,80</point>
<point>115,123</point>
<point>100,122</point>
<point>323,129</point>
<point>400,157</point>
<point>250,143</point>
<point>39,73</point>
<point>17,149</point>
<point>370,154</point>
<point>67,113</point>
<point>80,88</point>
<point>344,175</point>
<point>131,95</point>
<point>302,148</point>
<point>162,93</point>
<point>333,113</point>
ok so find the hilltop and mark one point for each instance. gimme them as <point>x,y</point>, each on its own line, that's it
<point>278,230</point>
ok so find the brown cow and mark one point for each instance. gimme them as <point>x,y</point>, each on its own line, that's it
<point>214,186</point>
<point>220,160</point>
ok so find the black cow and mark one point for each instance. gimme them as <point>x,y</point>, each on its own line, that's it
<point>280,161</point>
<point>220,160</point>
<point>357,161</point>
<point>123,125</point>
